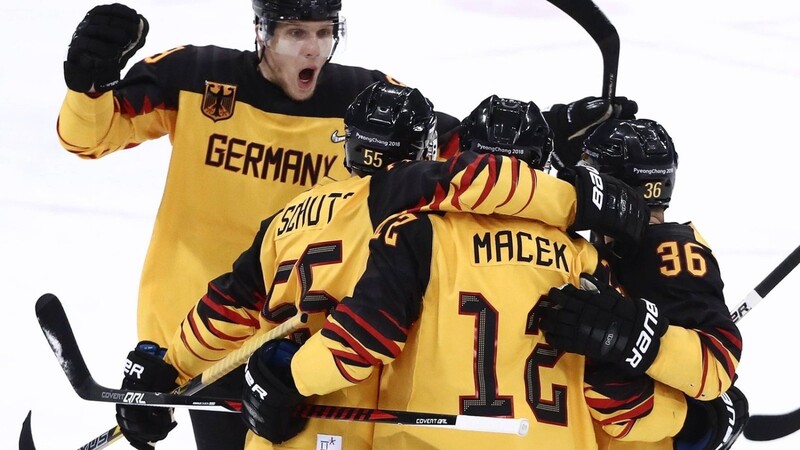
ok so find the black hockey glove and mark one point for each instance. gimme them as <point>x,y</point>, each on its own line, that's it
<point>572,123</point>
<point>101,46</point>
<point>145,370</point>
<point>606,205</point>
<point>269,395</point>
<point>598,322</point>
<point>715,424</point>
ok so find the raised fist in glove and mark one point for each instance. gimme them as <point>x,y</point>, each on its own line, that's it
<point>145,370</point>
<point>607,205</point>
<point>101,46</point>
<point>573,122</point>
<point>269,395</point>
<point>598,322</point>
<point>715,424</point>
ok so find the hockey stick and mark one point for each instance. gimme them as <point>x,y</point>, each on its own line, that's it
<point>592,19</point>
<point>762,427</point>
<point>58,332</point>
<point>502,425</point>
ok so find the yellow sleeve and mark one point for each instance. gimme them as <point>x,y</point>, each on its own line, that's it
<point>493,184</point>
<point>315,369</point>
<point>93,127</point>
<point>200,341</point>
<point>554,201</point>
<point>688,366</point>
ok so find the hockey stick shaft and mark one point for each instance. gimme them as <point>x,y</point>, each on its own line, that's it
<point>58,332</point>
<point>589,16</point>
<point>763,288</point>
<point>502,425</point>
<point>452,421</point>
<point>762,427</point>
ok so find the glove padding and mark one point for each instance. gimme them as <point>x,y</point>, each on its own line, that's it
<point>145,370</point>
<point>101,46</point>
<point>598,322</point>
<point>715,424</point>
<point>573,122</point>
<point>270,397</point>
<point>607,205</point>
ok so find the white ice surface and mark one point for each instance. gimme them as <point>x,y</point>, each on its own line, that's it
<point>722,76</point>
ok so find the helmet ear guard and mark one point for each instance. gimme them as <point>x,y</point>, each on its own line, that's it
<point>639,152</point>
<point>508,127</point>
<point>387,123</point>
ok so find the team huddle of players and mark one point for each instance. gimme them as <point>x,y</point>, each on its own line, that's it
<point>439,262</point>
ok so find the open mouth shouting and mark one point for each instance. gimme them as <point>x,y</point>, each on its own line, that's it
<point>306,78</point>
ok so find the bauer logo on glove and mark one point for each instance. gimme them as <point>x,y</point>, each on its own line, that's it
<point>646,335</point>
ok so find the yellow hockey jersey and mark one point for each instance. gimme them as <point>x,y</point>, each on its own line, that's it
<point>447,310</point>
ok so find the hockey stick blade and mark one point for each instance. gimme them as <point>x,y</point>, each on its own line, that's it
<point>58,332</point>
<point>26,436</point>
<point>768,428</point>
<point>766,285</point>
<point>589,16</point>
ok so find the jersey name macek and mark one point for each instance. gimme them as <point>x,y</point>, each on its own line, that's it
<point>518,246</point>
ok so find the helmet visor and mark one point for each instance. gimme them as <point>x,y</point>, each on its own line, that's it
<point>303,37</point>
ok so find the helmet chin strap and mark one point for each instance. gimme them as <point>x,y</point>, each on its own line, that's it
<point>261,39</point>
<point>261,51</point>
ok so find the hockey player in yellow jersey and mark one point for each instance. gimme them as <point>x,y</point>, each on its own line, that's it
<point>472,345</point>
<point>674,268</point>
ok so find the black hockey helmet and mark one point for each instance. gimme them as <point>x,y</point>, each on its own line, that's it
<point>638,152</point>
<point>387,123</point>
<point>508,127</point>
<point>297,9</point>
<point>270,12</point>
